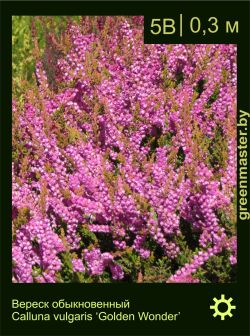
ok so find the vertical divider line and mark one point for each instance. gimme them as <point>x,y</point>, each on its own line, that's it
<point>180,25</point>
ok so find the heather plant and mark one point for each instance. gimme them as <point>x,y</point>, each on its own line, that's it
<point>124,158</point>
<point>23,55</point>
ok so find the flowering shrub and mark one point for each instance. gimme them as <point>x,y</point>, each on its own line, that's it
<point>124,159</point>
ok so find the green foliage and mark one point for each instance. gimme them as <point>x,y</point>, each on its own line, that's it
<point>179,77</point>
<point>36,270</point>
<point>21,219</point>
<point>199,88</point>
<point>23,64</point>
<point>23,46</point>
<point>186,252</point>
<point>131,264</point>
<point>217,270</point>
<point>213,97</point>
<point>180,157</point>
<point>218,150</point>
<point>189,235</point>
<point>67,275</point>
<point>87,237</point>
<point>158,272</point>
<point>165,139</point>
<point>62,227</point>
<point>58,117</point>
<point>228,223</point>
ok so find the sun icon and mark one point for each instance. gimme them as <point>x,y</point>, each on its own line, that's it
<point>222,302</point>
